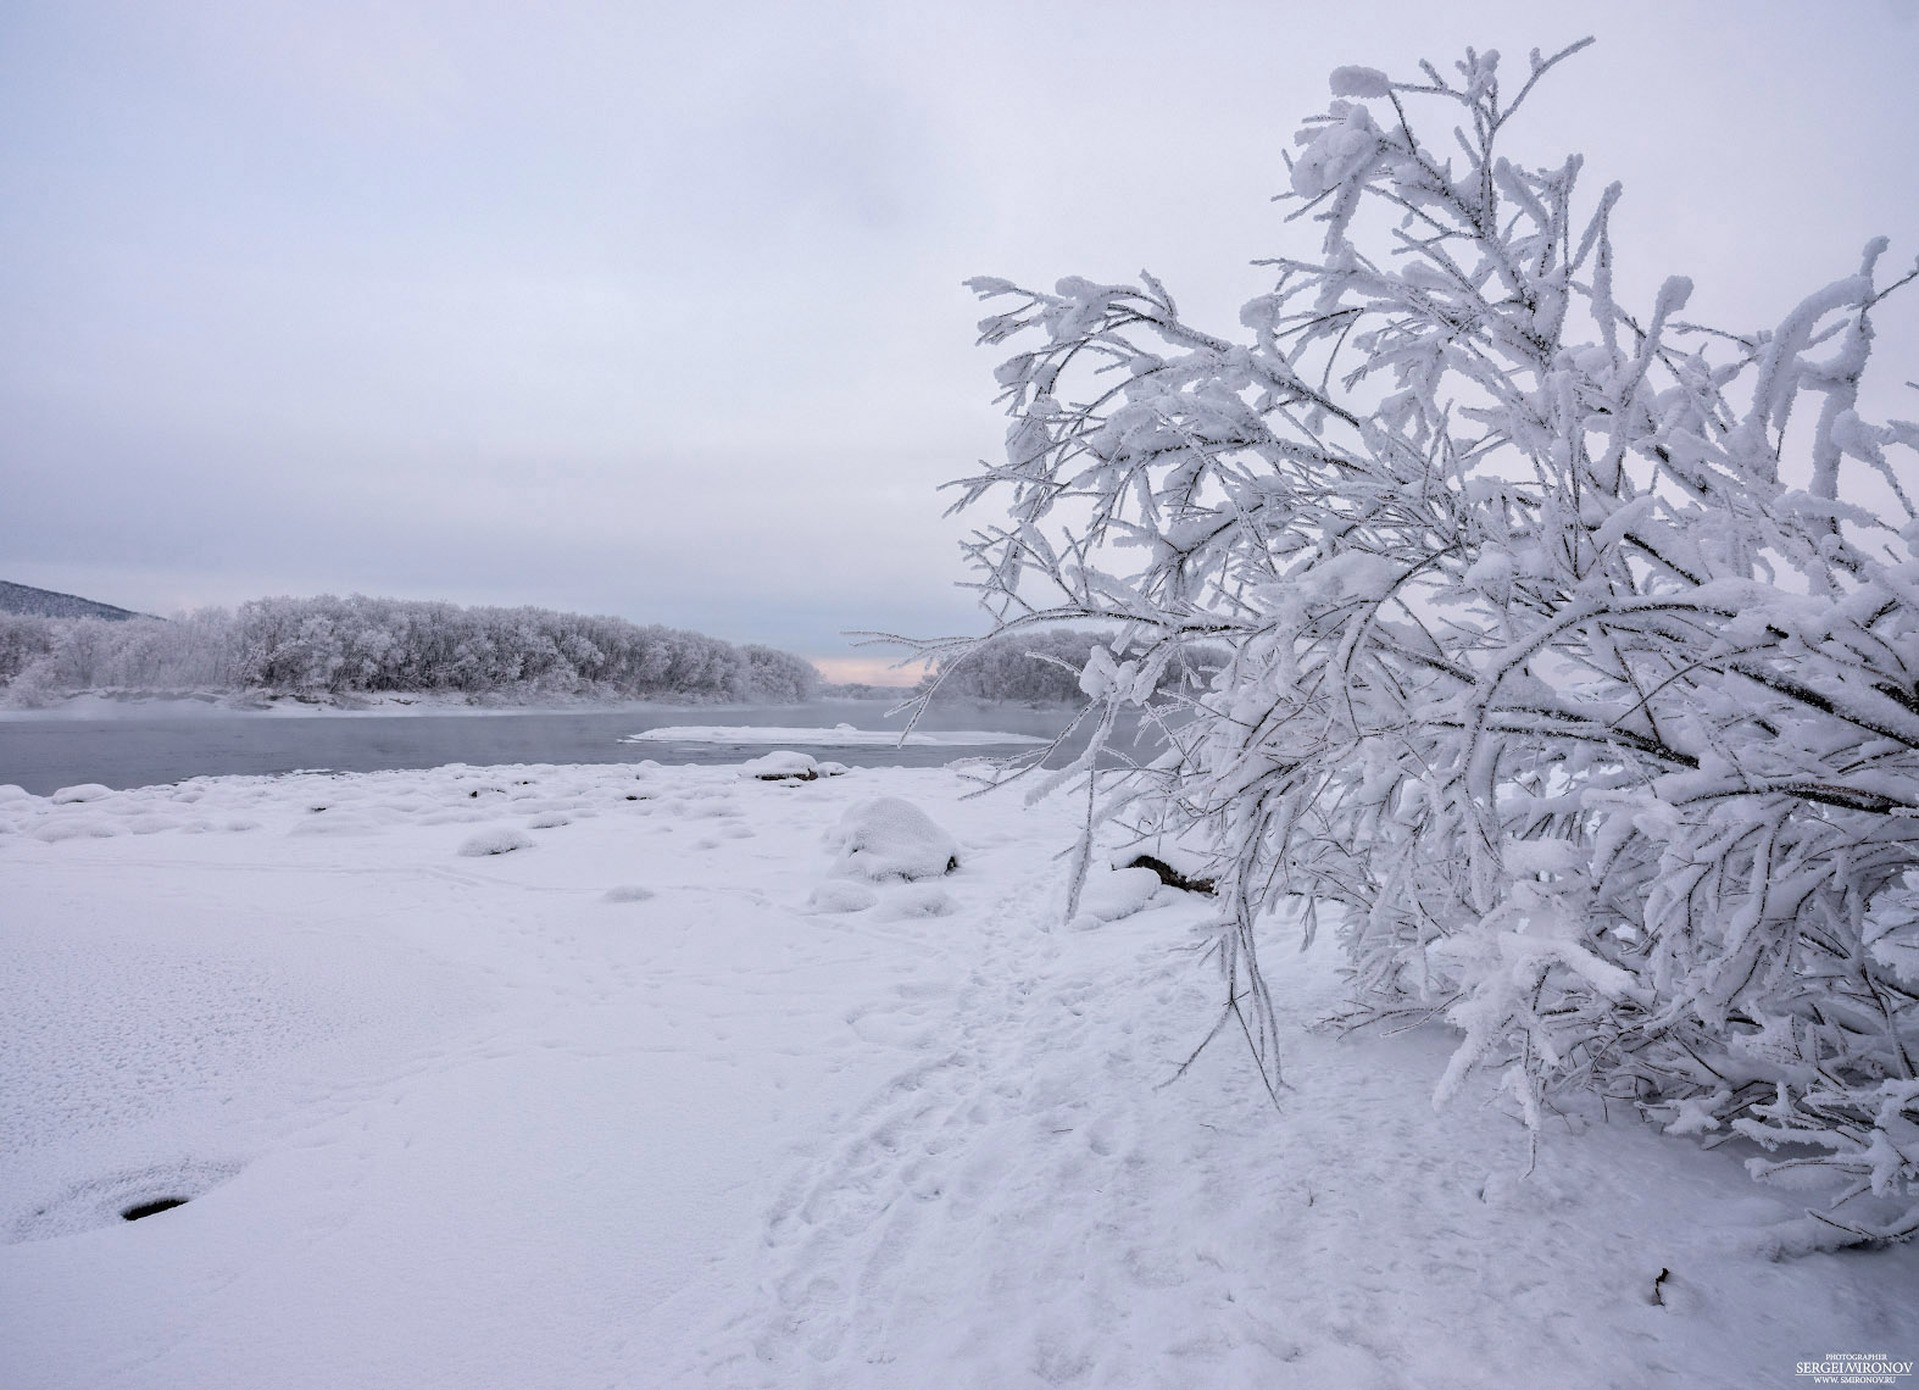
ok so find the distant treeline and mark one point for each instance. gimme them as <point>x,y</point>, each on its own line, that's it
<point>372,645</point>
<point>1038,667</point>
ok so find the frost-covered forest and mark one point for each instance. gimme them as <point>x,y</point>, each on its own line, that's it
<point>1036,667</point>
<point>1572,648</point>
<point>373,645</point>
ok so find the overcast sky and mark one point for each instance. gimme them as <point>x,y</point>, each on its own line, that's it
<point>654,309</point>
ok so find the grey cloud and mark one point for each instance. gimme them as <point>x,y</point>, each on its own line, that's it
<point>658,305</point>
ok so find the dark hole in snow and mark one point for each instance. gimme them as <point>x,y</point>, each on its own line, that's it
<point>1170,876</point>
<point>153,1208</point>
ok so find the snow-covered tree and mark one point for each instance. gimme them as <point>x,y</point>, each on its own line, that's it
<point>1565,653</point>
<point>24,640</point>
<point>779,677</point>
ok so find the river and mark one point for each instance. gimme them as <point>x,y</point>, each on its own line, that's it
<point>137,747</point>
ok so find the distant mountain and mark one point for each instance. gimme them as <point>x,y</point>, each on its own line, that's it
<point>45,603</point>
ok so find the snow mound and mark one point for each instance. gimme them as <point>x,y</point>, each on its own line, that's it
<point>502,839</point>
<point>1111,894</point>
<point>888,838</point>
<point>86,791</point>
<point>842,897</point>
<point>55,831</point>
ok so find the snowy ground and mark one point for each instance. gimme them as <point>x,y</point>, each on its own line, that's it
<point>627,1106</point>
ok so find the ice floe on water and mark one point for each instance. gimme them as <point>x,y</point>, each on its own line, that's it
<point>839,736</point>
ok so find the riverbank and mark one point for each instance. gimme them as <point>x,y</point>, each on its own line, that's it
<point>188,704</point>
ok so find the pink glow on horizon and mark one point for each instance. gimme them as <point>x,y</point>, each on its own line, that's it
<point>869,670</point>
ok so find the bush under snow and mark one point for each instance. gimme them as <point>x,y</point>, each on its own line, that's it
<point>1565,654</point>
<point>504,839</point>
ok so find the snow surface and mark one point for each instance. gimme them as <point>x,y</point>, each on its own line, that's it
<point>662,1101</point>
<point>839,736</point>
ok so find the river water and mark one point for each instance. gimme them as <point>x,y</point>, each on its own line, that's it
<point>134,748</point>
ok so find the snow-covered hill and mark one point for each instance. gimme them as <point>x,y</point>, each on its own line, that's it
<point>28,601</point>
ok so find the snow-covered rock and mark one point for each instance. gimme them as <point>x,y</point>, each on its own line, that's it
<point>783,765</point>
<point>891,838</point>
